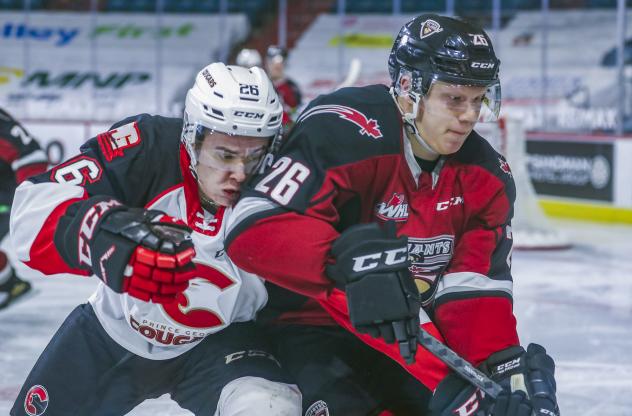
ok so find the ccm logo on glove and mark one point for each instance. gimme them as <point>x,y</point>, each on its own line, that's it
<point>371,261</point>
<point>510,365</point>
<point>87,227</point>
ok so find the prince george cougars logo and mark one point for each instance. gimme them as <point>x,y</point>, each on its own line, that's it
<point>368,126</point>
<point>36,401</point>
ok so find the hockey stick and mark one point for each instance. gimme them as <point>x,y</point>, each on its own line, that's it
<point>458,364</point>
<point>352,76</point>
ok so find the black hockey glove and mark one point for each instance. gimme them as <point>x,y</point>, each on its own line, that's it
<point>372,268</point>
<point>145,253</point>
<point>527,378</point>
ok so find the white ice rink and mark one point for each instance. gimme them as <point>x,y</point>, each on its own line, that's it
<point>577,303</point>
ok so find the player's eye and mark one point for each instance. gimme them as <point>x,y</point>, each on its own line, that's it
<point>225,156</point>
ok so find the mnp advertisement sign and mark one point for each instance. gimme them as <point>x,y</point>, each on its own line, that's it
<point>571,169</point>
<point>106,66</point>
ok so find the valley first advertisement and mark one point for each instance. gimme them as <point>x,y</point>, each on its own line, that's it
<point>106,66</point>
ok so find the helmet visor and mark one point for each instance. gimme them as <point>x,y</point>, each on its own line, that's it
<point>457,99</point>
<point>229,153</point>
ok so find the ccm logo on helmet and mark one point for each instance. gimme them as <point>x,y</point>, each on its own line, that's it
<point>248,114</point>
<point>483,65</point>
<point>371,261</point>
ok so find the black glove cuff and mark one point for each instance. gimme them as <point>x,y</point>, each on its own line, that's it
<point>503,363</point>
<point>78,226</point>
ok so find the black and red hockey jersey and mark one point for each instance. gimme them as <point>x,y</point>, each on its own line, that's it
<point>348,161</point>
<point>141,163</point>
<point>20,154</point>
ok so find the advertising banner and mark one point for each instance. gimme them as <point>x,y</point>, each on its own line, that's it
<point>105,66</point>
<point>572,169</point>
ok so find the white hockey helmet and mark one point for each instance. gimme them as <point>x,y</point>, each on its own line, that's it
<point>248,58</point>
<point>231,100</point>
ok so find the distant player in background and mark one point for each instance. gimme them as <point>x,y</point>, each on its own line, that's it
<point>20,157</point>
<point>143,208</point>
<point>248,58</point>
<point>287,89</point>
<point>386,209</point>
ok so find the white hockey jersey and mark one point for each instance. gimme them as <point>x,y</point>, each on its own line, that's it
<point>140,163</point>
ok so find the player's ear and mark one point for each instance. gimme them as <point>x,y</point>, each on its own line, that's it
<point>405,84</point>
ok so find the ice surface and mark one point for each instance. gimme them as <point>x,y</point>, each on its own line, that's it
<point>577,303</point>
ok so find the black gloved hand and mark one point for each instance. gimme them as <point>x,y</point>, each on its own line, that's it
<point>372,268</point>
<point>527,379</point>
<point>145,253</point>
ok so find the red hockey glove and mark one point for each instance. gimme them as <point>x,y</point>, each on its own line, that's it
<point>145,253</point>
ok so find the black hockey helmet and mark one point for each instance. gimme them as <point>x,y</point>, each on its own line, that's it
<point>434,47</point>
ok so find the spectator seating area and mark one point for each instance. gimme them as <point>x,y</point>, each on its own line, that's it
<point>467,6</point>
<point>22,4</point>
<point>252,8</point>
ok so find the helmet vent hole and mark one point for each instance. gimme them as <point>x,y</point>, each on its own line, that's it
<point>259,129</point>
<point>214,113</point>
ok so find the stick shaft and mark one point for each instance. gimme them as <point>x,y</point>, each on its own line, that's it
<point>458,364</point>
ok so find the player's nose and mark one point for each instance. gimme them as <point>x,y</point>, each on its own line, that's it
<point>238,172</point>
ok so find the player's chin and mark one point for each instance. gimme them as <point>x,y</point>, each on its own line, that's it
<point>452,144</point>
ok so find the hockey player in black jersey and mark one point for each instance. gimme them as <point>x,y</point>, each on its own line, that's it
<point>392,214</point>
<point>143,208</point>
<point>20,157</point>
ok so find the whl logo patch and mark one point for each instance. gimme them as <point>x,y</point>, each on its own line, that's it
<point>368,126</point>
<point>36,401</point>
<point>395,209</point>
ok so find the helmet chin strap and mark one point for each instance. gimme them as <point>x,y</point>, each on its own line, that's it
<point>207,203</point>
<point>409,121</point>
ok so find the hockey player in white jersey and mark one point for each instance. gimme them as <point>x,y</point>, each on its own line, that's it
<point>143,208</point>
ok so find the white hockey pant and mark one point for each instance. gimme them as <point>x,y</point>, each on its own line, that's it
<point>256,396</point>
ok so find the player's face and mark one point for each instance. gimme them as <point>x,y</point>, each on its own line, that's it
<point>275,67</point>
<point>447,115</point>
<point>224,163</point>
